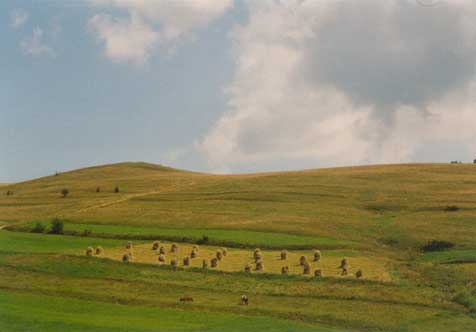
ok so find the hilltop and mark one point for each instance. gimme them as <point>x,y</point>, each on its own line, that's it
<point>397,205</point>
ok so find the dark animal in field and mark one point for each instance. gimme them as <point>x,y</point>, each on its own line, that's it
<point>186,299</point>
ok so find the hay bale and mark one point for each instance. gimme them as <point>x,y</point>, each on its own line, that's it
<point>285,270</point>
<point>244,300</point>
<point>162,258</point>
<point>248,268</point>
<point>359,274</point>
<point>89,251</point>
<point>257,255</point>
<point>343,263</point>
<point>99,250</point>
<point>302,260</point>
<point>344,271</point>
<point>173,248</point>
<point>284,255</point>
<point>162,250</point>
<point>317,255</point>
<point>155,245</point>
<point>186,261</point>
<point>306,268</point>
<point>219,255</point>
<point>214,262</point>
<point>194,253</point>
<point>204,264</point>
<point>126,257</point>
<point>259,266</point>
<point>224,251</point>
<point>317,273</point>
<point>195,247</point>
<point>129,245</point>
<point>173,262</point>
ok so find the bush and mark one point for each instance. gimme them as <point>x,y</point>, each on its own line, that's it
<point>203,240</point>
<point>57,226</point>
<point>437,245</point>
<point>64,192</point>
<point>39,228</point>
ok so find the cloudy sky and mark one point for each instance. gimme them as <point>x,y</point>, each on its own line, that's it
<point>234,85</point>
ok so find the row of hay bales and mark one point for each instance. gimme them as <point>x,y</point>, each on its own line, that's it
<point>303,261</point>
<point>258,264</point>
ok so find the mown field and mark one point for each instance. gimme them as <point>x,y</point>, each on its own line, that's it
<point>378,217</point>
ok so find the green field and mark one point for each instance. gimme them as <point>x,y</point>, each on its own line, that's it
<point>378,217</point>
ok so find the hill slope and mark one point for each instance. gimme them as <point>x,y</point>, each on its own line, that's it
<point>402,205</point>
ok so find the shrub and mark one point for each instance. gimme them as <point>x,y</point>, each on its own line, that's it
<point>39,228</point>
<point>317,273</point>
<point>259,266</point>
<point>203,240</point>
<point>214,262</point>
<point>302,260</point>
<point>57,226</point>
<point>155,245</point>
<point>285,270</point>
<point>64,192</point>
<point>99,250</point>
<point>451,208</point>
<point>437,245</point>
<point>317,255</point>
<point>89,251</point>
<point>116,190</point>
<point>162,258</point>
<point>359,274</point>
<point>186,261</point>
<point>467,298</point>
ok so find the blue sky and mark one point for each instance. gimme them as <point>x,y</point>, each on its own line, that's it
<point>234,86</point>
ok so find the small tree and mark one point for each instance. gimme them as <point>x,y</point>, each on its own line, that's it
<point>39,228</point>
<point>64,192</point>
<point>116,190</point>
<point>57,226</point>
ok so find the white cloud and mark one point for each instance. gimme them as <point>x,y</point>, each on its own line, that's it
<point>35,45</point>
<point>346,82</point>
<point>150,24</point>
<point>18,17</point>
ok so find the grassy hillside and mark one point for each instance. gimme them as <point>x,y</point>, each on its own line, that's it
<point>378,217</point>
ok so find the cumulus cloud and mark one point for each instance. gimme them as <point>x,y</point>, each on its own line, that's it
<point>347,82</point>
<point>18,17</point>
<point>35,44</point>
<point>149,24</point>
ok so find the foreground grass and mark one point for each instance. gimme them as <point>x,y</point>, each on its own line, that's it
<point>26,312</point>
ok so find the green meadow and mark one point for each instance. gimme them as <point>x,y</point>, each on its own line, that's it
<point>378,217</point>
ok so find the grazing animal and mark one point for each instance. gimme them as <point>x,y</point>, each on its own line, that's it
<point>244,299</point>
<point>186,299</point>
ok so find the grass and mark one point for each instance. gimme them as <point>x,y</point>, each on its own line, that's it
<point>450,256</point>
<point>236,238</point>
<point>27,312</point>
<point>35,243</point>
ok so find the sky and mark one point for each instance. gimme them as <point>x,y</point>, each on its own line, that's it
<point>232,86</point>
